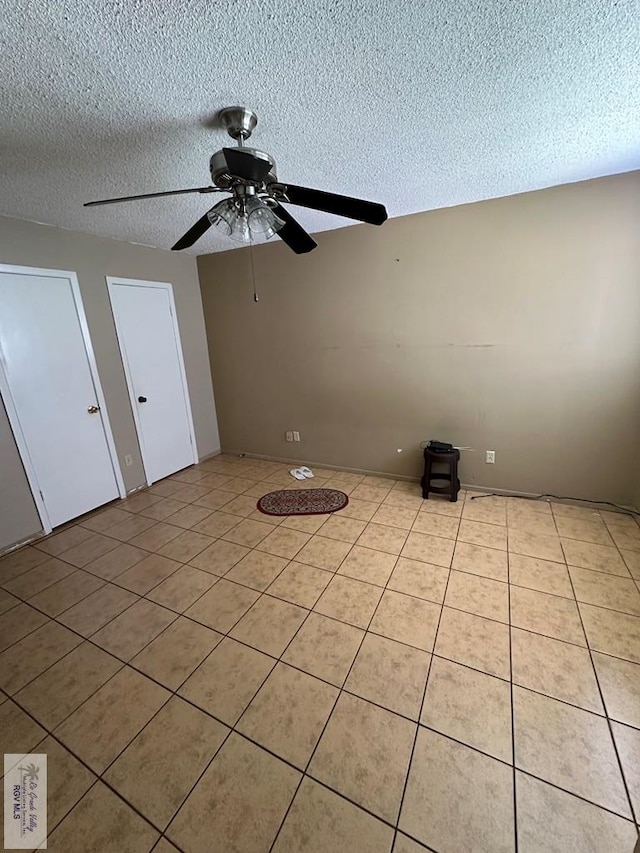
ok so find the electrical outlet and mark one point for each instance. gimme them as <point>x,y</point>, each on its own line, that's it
<point>490,457</point>
<point>296,435</point>
<point>128,460</point>
<point>288,435</point>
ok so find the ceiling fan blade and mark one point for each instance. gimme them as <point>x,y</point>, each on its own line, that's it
<point>243,164</point>
<point>194,233</point>
<point>151,195</point>
<point>342,205</point>
<point>293,234</point>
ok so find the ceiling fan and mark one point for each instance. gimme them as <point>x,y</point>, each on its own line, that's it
<point>255,205</point>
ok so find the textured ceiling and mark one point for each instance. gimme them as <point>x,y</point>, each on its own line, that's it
<point>412,103</point>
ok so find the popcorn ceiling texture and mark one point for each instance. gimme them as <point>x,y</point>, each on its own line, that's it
<point>415,104</point>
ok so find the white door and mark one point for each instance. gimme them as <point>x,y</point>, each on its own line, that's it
<point>145,319</point>
<point>52,393</point>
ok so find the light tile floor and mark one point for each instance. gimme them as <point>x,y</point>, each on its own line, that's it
<point>404,675</point>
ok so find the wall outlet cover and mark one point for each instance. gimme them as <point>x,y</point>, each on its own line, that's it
<point>490,457</point>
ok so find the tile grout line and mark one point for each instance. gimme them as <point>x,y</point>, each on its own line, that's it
<point>329,684</point>
<point>218,577</point>
<point>635,818</point>
<point>182,564</point>
<point>513,715</point>
<point>266,592</point>
<point>89,639</point>
<point>601,694</point>
<point>241,617</point>
<point>139,595</point>
<point>175,693</point>
<point>424,696</point>
<point>223,635</point>
<point>183,614</point>
<point>233,729</point>
<point>98,777</point>
<point>177,616</point>
<point>294,767</point>
<point>184,530</point>
<point>305,773</point>
<point>636,580</point>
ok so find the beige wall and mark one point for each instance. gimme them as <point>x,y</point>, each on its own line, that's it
<point>510,325</point>
<point>18,515</point>
<point>93,258</point>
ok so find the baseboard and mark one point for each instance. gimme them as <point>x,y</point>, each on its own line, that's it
<point>584,502</point>
<point>209,455</point>
<point>473,487</point>
<point>144,486</point>
<point>310,463</point>
<point>34,537</point>
<point>509,493</point>
<point>371,472</point>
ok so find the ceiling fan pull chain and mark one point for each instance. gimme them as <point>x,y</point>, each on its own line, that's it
<point>253,272</point>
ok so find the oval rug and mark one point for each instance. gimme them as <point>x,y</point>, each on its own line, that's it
<point>302,502</point>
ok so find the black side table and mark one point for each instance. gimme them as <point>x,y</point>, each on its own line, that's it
<point>448,461</point>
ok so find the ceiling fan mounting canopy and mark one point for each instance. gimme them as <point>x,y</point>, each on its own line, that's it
<point>255,207</point>
<point>239,122</point>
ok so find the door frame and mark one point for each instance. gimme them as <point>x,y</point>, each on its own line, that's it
<point>112,282</point>
<point>12,412</point>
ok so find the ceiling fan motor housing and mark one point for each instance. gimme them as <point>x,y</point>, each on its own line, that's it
<point>220,170</point>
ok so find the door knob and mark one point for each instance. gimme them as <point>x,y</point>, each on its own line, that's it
<point>93,410</point>
<point>142,399</point>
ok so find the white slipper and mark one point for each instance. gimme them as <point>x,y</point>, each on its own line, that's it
<point>297,473</point>
<point>306,472</point>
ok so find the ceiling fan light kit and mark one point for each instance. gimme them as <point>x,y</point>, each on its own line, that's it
<point>254,208</point>
<point>245,216</point>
